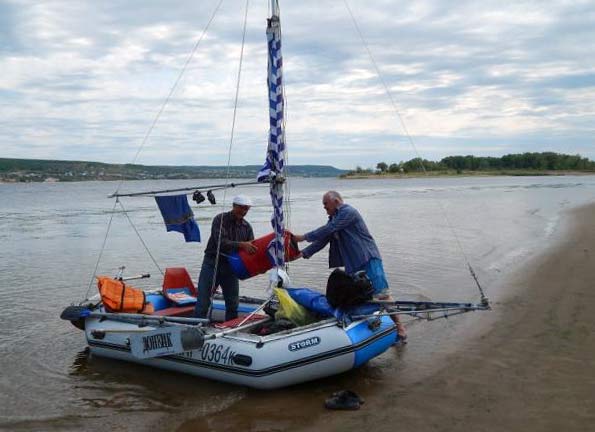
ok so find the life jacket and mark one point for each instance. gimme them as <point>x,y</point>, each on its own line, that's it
<point>245,265</point>
<point>119,297</point>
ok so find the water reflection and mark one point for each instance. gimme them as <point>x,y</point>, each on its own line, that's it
<point>52,235</point>
<point>80,363</point>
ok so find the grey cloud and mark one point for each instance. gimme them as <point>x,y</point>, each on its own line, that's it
<point>432,54</point>
<point>10,41</point>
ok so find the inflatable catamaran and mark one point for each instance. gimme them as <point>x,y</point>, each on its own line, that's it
<point>246,351</point>
<point>292,336</point>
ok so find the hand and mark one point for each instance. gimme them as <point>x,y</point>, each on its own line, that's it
<point>248,247</point>
<point>299,238</point>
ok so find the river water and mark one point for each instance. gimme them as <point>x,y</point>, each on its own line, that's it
<point>53,233</point>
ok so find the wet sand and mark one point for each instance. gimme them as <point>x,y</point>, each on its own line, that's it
<point>527,365</point>
<point>531,368</point>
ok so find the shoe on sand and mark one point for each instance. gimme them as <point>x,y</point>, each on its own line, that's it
<point>344,400</point>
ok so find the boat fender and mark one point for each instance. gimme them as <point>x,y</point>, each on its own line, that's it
<point>76,315</point>
<point>242,360</point>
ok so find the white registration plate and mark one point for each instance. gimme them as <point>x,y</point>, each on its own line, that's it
<point>158,342</point>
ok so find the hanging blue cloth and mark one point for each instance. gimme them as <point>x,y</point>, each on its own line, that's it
<point>178,216</point>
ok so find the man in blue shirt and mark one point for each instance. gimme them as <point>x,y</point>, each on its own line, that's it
<point>351,246</point>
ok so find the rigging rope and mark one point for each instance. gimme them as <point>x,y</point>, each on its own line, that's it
<point>146,137</point>
<point>173,88</point>
<point>109,224</point>
<point>286,188</point>
<point>233,124</point>
<point>140,238</point>
<point>410,139</point>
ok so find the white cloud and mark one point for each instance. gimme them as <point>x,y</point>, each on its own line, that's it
<point>84,80</point>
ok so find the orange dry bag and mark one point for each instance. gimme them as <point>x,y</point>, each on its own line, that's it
<point>119,297</point>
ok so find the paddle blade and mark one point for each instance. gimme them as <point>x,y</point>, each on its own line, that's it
<point>73,313</point>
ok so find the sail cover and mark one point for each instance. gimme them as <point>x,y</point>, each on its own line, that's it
<point>273,168</point>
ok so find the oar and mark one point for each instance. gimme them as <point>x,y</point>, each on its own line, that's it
<point>165,340</point>
<point>191,338</point>
<point>74,313</point>
<point>173,335</point>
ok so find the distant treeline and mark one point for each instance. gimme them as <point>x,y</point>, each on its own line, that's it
<point>35,170</point>
<point>546,161</point>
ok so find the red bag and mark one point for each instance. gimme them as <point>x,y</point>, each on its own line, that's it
<point>246,265</point>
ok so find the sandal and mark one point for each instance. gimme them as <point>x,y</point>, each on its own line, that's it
<point>344,400</point>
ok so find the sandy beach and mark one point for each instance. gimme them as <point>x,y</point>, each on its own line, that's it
<point>532,368</point>
<point>527,365</point>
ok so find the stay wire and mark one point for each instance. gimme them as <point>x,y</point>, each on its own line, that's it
<point>233,123</point>
<point>150,130</point>
<point>140,238</point>
<point>173,89</point>
<point>94,274</point>
<point>410,139</point>
<point>287,189</point>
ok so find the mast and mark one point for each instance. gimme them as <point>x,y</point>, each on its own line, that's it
<point>275,8</point>
<point>273,168</point>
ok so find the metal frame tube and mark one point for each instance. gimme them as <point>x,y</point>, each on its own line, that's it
<point>200,188</point>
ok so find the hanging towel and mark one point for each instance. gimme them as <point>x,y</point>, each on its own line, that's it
<point>178,216</point>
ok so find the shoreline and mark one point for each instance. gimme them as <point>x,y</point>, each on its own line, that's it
<point>443,174</point>
<point>370,176</point>
<point>530,369</point>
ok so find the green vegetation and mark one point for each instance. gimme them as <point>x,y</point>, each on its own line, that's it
<point>512,164</point>
<point>36,170</point>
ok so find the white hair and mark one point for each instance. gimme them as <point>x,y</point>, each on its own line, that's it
<point>334,195</point>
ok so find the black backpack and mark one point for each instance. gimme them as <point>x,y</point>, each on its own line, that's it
<point>344,290</point>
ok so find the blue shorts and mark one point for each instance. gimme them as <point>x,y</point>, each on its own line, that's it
<point>375,272</point>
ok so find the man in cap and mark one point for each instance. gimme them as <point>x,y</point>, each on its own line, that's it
<point>351,246</point>
<point>230,232</point>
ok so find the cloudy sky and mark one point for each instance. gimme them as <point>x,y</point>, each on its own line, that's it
<point>83,80</point>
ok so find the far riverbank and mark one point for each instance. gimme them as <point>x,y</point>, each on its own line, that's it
<point>464,173</point>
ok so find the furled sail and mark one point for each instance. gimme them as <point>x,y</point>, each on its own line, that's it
<point>273,168</point>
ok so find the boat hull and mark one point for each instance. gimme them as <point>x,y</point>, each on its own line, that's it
<point>299,355</point>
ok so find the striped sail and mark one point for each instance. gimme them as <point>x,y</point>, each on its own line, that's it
<point>273,168</point>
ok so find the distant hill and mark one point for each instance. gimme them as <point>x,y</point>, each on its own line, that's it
<point>544,163</point>
<point>39,170</point>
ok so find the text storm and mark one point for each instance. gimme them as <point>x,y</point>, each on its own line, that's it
<point>306,343</point>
